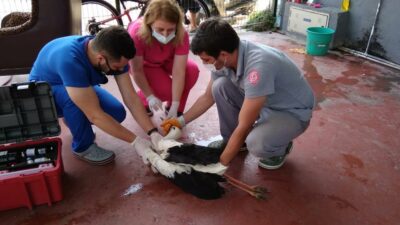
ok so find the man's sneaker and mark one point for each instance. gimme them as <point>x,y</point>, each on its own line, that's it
<point>95,155</point>
<point>275,162</point>
<point>221,144</point>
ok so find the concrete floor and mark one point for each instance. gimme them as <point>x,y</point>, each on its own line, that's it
<point>344,170</point>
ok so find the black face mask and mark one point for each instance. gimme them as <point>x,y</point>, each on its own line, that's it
<point>111,71</point>
<point>103,74</point>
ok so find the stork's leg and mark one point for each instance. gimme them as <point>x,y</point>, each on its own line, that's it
<point>239,184</point>
<point>256,191</point>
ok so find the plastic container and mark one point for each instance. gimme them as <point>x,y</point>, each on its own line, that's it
<point>318,40</point>
<point>30,158</point>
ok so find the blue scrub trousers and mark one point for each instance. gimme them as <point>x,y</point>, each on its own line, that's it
<point>78,123</point>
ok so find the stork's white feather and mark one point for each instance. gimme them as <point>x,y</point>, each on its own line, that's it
<point>165,144</point>
<point>174,133</point>
<point>165,168</point>
<point>143,153</point>
<point>169,141</point>
<point>216,168</point>
<point>168,168</point>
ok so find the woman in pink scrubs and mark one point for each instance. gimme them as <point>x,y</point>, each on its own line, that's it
<point>161,68</point>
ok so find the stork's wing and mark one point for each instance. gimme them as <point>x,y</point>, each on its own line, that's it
<point>193,154</point>
<point>199,180</point>
<point>201,185</point>
<point>165,168</point>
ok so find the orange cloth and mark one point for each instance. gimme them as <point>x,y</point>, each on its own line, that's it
<point>168,123</point>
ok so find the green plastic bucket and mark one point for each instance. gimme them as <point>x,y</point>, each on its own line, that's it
<point>318,40</point>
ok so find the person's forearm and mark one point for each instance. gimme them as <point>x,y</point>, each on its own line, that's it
<point>178,76</point>
<point>178,83</point>
<point>248,114</point>
<point>201,105</point>
<point>139,114</point>
<point>141,82</point>
<point>235,142</point>
<point>133,102</point>
<point>135,106</point>
<point>106,123</point>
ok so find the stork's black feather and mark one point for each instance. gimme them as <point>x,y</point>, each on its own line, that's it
<point>201,185</point>
<point>195,169</point>
<point>193,154</point>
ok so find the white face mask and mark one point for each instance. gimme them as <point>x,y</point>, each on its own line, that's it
<point>161,38</point>
<point>212,67</point>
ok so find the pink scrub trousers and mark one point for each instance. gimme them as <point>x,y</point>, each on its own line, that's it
<point>160,81</point>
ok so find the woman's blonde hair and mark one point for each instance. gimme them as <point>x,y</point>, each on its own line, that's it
<point>167,10</point>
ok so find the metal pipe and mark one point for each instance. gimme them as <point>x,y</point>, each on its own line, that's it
<point>373,26</point>
<point>370,57</point>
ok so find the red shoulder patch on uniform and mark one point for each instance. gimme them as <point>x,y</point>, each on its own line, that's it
<point>253,77</point>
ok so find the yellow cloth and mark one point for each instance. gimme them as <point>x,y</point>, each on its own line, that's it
<point>345,5</point>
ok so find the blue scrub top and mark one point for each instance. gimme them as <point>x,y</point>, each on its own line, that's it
<point>63,61</point>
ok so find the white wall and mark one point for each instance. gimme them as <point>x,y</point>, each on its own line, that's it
<point>264,4</point>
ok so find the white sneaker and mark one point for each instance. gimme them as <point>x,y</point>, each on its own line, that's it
<point>96,155</point>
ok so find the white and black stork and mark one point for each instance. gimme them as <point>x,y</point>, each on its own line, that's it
<point>195,169</point>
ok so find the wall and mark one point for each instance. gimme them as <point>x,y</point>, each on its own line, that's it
<point>386,40</point>
<point>338,21</point>
<point>264,4</point>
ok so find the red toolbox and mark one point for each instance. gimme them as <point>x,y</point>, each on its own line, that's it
<point>30,157</point>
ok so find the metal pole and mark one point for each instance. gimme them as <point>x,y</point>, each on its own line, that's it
<point>373,26</point>
<point>275,7</point>
<point>370,57</point>
<point>365,54</point>
<point>117,6</point>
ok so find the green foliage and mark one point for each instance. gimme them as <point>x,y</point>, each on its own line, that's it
<point>261,21</point>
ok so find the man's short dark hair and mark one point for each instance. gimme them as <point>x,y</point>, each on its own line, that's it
<point>213,36</point>
<point>116,42</point>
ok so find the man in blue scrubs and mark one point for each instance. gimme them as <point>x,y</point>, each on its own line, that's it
<point>75,66</point>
